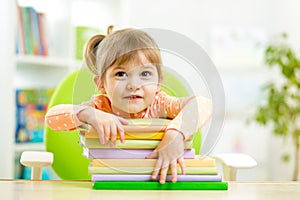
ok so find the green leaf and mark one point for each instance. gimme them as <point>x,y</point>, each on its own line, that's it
<point>285,158</point>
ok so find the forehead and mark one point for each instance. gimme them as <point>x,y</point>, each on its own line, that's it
<point>137,58</point>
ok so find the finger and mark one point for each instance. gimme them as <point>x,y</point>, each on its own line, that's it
<point>164,172</point>
<point>121,133</point>
<point>181,165</point>
<point>174,171</point>
<point>123,121</point>
<point>152,155</point>
<point>156,169</point>
<point>113,135</point>
<point>107,132</point>
<point>120,129</point>
<point>101,134</point>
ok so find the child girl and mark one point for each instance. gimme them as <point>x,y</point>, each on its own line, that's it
<point>127,68</point>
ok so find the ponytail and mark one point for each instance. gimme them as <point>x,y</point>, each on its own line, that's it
<point>90,50</point>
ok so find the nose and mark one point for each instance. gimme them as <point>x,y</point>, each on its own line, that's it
<point>133,84</point>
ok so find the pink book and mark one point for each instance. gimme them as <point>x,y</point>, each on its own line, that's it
<point>126,153</point>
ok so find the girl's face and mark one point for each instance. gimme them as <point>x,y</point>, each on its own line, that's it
<point>132,86</point>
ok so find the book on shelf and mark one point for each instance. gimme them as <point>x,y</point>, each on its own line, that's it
<point>31,106</point>
<point>31,34</point>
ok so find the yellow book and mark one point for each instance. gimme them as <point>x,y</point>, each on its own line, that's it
<point>148,122</point>
<point>128,136</point>
<point>196,162</point>
<point>137,129</point>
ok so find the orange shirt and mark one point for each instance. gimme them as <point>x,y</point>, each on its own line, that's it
<point>64,116</point>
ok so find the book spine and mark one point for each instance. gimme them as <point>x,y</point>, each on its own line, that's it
<point>129,136</point>
<point>42,30</point>
<point>35,33</point>
<point>20,32</point>
<point>154,185</point>
<point>148,177</point>
<point>148,170</point>
<point>27,30</point>
<point>148,162</point>
<point>126,153</point>
<point>129,144</point>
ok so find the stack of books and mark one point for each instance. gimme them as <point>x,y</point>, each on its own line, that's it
<point>125,166</point>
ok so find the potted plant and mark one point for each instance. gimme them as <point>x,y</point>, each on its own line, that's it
<point>281,109</point>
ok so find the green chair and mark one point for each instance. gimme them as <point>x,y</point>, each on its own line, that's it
<point>78,87</point>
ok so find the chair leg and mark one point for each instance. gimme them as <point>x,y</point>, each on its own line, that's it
<point>36,173</point>
<point>229,173</point>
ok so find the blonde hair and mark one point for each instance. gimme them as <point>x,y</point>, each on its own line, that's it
<point>119,47</point>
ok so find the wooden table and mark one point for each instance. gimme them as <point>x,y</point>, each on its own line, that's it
<point>46,190</point>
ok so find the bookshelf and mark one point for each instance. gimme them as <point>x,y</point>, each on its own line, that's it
<point>39,71</point>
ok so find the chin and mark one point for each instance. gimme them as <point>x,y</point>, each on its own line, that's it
<point>134,110</point>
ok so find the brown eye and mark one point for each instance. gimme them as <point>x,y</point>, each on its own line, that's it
<point>121,74</point>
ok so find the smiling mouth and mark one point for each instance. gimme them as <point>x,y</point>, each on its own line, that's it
<point>133,97</point>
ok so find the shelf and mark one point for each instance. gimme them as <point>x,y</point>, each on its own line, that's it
<point>20,147</point>
<point>30,60</point>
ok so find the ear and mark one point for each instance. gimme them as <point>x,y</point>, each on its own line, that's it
<point>99,84</point>
<point>158,86</point>
<point>159,83</point>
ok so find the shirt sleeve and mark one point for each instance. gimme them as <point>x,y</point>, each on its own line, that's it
<point>64,116</point>
<point>165,106</point>
<point>193,116</point>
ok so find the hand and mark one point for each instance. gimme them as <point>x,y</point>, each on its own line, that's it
<point>107,125</point>
<point>169,152</point>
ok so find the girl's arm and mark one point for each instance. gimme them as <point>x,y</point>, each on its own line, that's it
<point>189,114</point>
<point>192,117</point>
<point>64,116</point>
<point>193,113</point>
<point>69,117</point>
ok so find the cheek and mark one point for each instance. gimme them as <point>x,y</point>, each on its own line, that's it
<point>114,88</point>
<point>151,91</point>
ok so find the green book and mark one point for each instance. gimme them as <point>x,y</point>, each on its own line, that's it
<point>129,144</point>
<point>154,185</point>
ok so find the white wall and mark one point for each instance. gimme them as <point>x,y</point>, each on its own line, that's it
<point>197,19</point>
<point>200,20</point>
<point>7,115</point>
